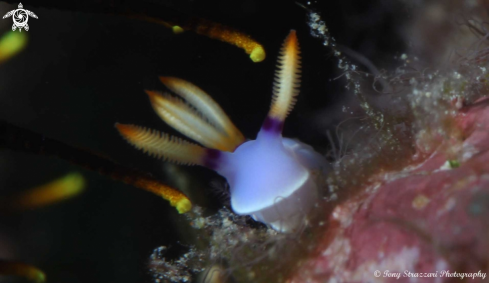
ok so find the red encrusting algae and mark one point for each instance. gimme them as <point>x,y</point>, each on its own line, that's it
<point>427,220</point>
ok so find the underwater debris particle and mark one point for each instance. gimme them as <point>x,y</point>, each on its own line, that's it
<point>179,270</point>
<point>420,202</point>
<point>319,29</point>
<point>454,163</point>
<point>214,274</point>
<point>58,190</point>
<point>450,164</point>
<point>12,43</point>
<point>21,269</point>
<point>198,223</point>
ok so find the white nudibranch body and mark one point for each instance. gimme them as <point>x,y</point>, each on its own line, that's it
<point>272,179</point>
<point>268,181</point>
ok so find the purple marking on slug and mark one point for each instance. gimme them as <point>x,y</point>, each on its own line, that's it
<point>211,158</point>
<point>272,125</point>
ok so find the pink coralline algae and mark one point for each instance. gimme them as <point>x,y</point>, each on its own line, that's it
<point>426,223</point>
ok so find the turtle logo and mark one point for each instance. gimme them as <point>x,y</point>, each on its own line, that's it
<point>20,17</point>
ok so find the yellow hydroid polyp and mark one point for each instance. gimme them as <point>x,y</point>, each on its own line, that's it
<point>176,198</point>
<point>12,43</point>
<point>29,272</point>
<point>257,53</point>
<point>216,31</point>
<point>232,36</point>
<point>58,190</point>
<point>177,29</point>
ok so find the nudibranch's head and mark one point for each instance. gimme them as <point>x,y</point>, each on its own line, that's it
<point>271,178</point>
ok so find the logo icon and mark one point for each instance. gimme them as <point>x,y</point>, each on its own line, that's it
<point>20,17</point>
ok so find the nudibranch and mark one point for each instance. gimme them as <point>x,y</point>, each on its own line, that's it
<point>272,179</point>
